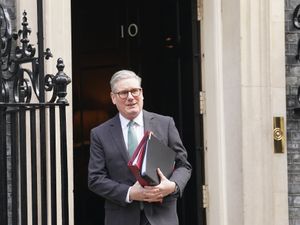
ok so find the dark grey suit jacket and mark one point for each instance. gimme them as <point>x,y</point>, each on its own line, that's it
<point>110,177</point>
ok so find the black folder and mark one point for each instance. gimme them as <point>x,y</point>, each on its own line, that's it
<point>157,155</point>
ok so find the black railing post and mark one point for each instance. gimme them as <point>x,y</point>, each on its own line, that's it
<point>3,150</point>
<point>15,176</point>
<point>41,50</point>
<point>33,165</point>
<point>3,169</point>
<point>53,164</point>
<point>64,165</point>
<point>41,85</point>
<point>23,165</point>
<point>61,80</point>
<point>23,150</point>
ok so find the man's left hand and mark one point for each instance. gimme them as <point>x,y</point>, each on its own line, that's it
<point>165,187</point>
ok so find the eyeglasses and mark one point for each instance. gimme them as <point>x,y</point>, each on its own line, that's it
<point>135,92</point>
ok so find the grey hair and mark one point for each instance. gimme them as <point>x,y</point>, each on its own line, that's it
<point>121,75</point>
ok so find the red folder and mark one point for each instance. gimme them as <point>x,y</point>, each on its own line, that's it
<point>135,163</point>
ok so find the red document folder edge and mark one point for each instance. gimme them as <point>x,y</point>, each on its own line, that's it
<point>136,161</point>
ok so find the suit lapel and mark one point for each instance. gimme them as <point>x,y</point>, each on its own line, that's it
<point>151,124</point>
<point>117,136</point>
<point>148,121</point>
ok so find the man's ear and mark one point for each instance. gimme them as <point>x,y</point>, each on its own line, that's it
<point>142,94</point>
<point>113,98</point>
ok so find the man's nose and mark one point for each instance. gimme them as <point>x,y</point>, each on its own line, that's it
<point>129,96</point>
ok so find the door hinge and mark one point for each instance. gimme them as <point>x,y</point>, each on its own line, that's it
<point>205,196</point>
<point>202,102</point>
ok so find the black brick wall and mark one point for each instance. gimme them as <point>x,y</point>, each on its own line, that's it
<point>9,6</point>
<point>292,36</point>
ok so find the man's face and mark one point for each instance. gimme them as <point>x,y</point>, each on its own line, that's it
<point>123,97</point>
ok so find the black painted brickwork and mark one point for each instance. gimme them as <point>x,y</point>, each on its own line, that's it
<point>292,36</point>
<point>9,6</point>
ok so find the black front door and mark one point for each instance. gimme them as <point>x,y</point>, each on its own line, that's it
<point>157,40</point>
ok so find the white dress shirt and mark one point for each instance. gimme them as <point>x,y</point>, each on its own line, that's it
<point>138,128</point>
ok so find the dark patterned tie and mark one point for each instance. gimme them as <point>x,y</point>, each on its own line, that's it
<point>132,139</point>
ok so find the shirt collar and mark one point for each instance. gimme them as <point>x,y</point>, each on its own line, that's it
<point>139,120</point>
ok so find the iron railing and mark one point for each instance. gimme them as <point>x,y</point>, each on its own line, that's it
<point>33,134</point>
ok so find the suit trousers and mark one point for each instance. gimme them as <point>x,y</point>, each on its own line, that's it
<point>143,219</point>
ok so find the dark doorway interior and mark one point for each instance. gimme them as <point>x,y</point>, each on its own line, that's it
<point>158,40</point>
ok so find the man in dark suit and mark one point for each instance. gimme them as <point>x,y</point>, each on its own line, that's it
<point>127,202</point>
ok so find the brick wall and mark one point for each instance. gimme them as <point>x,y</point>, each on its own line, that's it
<point>9,6</point>
<point>292,36</point>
